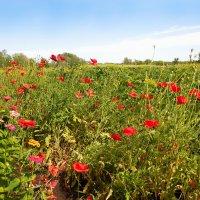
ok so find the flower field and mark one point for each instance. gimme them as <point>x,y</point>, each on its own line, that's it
<point>100,132</point>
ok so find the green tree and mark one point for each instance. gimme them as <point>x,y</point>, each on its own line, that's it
<point>138,62</point>
<point>147,61</point>
<point>72,60</point>
<point>21,59</point>
<point>5,59</point>
<point>127,61</point>
<point>175,61</point>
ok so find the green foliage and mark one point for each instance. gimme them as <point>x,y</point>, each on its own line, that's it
<point>12,180</point>
<point>127,61</point>
<point>5,59</point>
<point>72,60</point>
<point>176,60</point>
<point>153,163</point>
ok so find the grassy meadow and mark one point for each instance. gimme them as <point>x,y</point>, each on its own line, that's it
<point>100,132</point>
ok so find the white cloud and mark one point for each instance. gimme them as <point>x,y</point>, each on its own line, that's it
<point>167,47</point>
<point>171,43</point>
<point>175,29</point>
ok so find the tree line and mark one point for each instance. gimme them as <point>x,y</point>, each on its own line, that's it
<point>72,60</point>
<point>23,60</point>
<point>194,59</point>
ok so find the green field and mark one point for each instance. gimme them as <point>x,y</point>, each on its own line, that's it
<point>136,129</point>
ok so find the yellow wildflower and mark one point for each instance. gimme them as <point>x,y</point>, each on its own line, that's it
<point>150,82</point>
<point>34,143</point>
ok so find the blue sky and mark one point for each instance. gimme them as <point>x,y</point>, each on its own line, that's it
<point>107,30</point>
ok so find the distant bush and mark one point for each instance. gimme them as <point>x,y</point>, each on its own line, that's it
<point>72,60</point>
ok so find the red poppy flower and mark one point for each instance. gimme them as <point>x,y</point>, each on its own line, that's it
<point>79,95</point>
<point>19,67</point>
<point>130,84</point>
<point>53,170</point>
<point>61,78</point>
<point>132,108</point>
<point>40,73</point>
<point>151,123</point>
<point>18,101</point>
<point>162,84</point>
<point>60,58</point>
<point>51,184</point>
<point>194,92</point>
<point>62,167</point>
<point>96,104</point>
<point>175,146</point>
<point>161,149</point>
<point>89,197</point>
<point>26,123</point>
<point>53,57</point>
<point>34,181</point>
<point>116,137</point>
<point>147,96</point>
<point>180,162</point>
<point>6,98</point>
<point>42,155</point>
<point>86,80</point>
<point>26,86</point>
<point>43,178</point>
<point>174,87</point>
<point>192,183</point>
<point>22,73</point>
<point>129,131</point>
<point>33,86</point>
<point>20,90</point>
<point>90,93</point>
<point>94,61</point>
<point>13,63</point>
<point>149,107</point>
<point>42,63</point>
<point>13,82</point>
<point>132,94</point>
<point>30,166</point>
<point>78,167</point>
<point>115,99</point>
<point>14,107</point>
<point>120,106</point>
<point>198,96</point>
<point>182,100</point>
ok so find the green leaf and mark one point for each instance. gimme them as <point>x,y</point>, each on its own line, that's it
<point>27,196</point>
<point>13,184</point>
<point>2,190</point>
<point>28,178</point>
<point>44,197</point>
<point>47,140</point>
<point>127,196</point>
<point>2,165</point>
